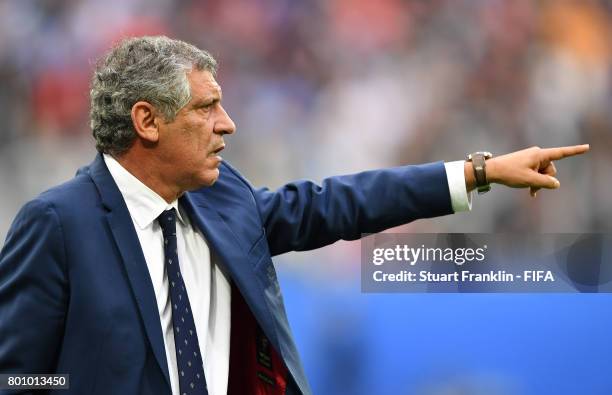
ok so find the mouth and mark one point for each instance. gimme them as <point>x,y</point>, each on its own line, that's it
<point>216,151</point>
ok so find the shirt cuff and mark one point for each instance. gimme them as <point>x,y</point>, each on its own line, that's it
<point>461,200</point>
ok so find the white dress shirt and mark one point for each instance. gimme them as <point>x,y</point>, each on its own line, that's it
<point>208,288</point>
<point>461,200</point>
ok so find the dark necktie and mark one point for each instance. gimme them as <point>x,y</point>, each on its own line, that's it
<point>188,358</point>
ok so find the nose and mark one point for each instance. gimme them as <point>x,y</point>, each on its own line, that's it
<point>224,124</point>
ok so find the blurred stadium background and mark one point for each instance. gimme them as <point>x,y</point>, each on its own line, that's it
<point>323,87</point>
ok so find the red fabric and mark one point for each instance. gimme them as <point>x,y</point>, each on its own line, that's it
<point>255,366</point>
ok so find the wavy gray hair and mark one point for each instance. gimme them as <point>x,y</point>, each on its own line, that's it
<point>151,69</point>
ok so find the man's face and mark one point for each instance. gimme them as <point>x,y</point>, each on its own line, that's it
<point>189,145</point>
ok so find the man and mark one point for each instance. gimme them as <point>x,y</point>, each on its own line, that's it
<point>150,272</point>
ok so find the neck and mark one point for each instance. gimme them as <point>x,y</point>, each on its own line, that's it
<point>148,172</point>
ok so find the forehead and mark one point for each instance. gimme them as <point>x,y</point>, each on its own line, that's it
<point>203,85</point>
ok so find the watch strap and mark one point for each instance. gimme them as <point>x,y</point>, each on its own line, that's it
<point>479,164</point>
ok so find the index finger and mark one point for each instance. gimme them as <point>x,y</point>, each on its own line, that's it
<point>563,152</point>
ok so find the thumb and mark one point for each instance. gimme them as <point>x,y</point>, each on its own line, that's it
<point>544,181</point>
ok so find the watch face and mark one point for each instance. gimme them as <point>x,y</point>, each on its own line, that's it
<point>485,154</point>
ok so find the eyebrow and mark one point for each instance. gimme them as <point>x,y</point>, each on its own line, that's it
<point>206,101</point>
<point>213,99</point>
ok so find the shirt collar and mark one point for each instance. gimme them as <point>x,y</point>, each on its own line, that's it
<point>143,203</point>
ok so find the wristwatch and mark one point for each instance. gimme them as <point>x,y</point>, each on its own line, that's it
<point>479,163</point>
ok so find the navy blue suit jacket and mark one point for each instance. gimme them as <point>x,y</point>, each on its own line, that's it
<point>75,292</point>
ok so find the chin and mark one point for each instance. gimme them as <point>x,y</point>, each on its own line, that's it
<point>209,178</point>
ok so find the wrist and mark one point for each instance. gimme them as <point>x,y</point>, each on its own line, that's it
<point>478,161</point>
<point>468,172</point>
<point>492,171</point>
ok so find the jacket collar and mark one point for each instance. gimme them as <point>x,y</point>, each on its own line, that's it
<point>143,203</point>
<point>122,228</point>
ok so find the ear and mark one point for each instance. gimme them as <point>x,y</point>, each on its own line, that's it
<point>145,120</point>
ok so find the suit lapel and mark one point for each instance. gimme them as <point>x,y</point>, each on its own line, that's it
<point>125,236</point>
<point>234,257</point>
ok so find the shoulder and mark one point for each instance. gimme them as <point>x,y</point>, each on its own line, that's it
<point>72,199</point>
<point>233,175</point>
<point>230,185</point>
<point>70,195</point>
<point>231,191</point>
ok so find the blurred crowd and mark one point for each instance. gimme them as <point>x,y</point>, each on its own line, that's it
<point>322,87</point>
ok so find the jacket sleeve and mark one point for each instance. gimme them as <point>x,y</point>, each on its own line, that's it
<point>33,291</point>
<point>303,215</point>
